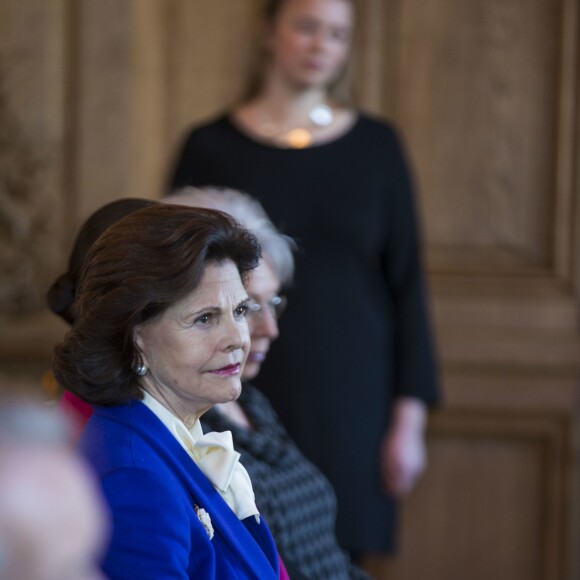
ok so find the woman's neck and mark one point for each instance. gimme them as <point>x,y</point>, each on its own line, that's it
<point>188,416</point>
<point>284,107</point>
<point>289,116</point>
<point>283,102</point>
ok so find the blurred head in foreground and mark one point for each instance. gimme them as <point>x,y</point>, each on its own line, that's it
<point>53,523</point>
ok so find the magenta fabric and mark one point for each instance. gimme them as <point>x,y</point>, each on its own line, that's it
<point>283,571</point>
<point>76,409</point>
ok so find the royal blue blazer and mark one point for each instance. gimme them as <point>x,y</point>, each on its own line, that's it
<point>152,487</point>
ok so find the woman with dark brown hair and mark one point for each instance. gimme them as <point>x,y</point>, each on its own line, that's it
<point>159,337</point>
<point>61,295</point>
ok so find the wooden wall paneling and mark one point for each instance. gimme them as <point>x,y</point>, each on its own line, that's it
<point>182,75</point>
<point>574,505</point>
<point>122,97</point>
<point>501,507</point>
<point>478,104</point>
<point>370,51</point>
<point>568,187</point>
<point>34,61</point>
<point>486,94</point>
<point>86,83</point>
<point>573,117</point>
<point>104,122</point>
<point>209,48</point>
<point>513,326</point>
<point>31,107</point>
<point>147,156</point>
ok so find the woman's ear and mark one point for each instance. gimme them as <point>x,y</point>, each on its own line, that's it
<point>139,343</point>
<point>137,338</point>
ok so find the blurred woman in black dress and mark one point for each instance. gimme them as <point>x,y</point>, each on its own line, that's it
<point>353,371</point>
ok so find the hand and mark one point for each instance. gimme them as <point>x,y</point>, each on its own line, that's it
<point>403,452</point>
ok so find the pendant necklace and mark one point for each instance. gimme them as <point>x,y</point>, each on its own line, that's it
<point>319,116</point>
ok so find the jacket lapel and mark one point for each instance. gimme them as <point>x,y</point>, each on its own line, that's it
<point>239,538</point>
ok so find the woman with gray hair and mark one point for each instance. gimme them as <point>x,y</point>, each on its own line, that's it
<point>295,498</point>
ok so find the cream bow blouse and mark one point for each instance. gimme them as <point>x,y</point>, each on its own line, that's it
<point>215,456</point>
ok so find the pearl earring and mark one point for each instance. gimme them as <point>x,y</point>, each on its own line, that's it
<point>141,369</point>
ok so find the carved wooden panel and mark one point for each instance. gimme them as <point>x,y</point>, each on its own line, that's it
<point>469,101</point>
<point>478,87</point>
<point>31,149</point>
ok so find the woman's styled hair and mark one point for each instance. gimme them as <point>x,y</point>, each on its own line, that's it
<point>61,295</point>
<point>276,247</point>
<point>138,268</point>
<point>340,90</point>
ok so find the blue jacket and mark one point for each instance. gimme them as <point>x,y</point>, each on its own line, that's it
<point>153,487</point>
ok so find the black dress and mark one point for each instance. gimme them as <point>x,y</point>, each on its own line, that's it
<point>295,499</point>
<point>355,334</point>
